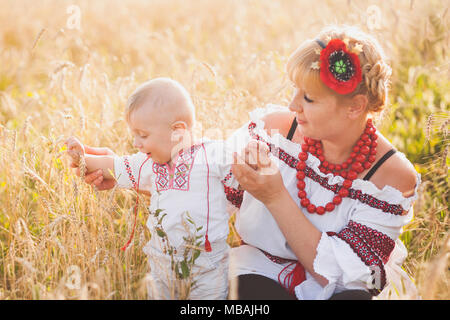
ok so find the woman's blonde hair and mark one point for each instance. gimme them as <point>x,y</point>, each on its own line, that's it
<point>375,70</point>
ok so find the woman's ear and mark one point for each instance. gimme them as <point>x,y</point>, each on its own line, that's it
<point>357,106</point>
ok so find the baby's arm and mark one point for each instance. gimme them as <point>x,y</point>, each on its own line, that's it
<point>75,150</point>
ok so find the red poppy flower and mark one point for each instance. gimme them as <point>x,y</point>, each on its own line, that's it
<point>340,69</point>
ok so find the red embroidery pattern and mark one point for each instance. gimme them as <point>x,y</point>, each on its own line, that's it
<point>233,195</point>
<point>181,173</point>
<point>129,171</point>
<point>181,176</point>
<point>294,277</point>
<point>276,259</point>
<point>378,241</point>
<point>371,246</point>
<point>162,176</point>
<point>227,177</point>
<point>323,181</point>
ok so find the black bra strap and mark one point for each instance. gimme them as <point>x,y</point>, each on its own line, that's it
<point>292,129</point>
<point>379,163</point>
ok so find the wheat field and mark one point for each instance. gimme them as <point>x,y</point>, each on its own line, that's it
<point>67,68</point>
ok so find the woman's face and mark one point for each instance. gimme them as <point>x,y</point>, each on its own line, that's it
<point>319,114</point>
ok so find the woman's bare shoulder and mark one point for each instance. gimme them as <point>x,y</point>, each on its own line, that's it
<point>278,121</point>
<point>397,172</point>
<point>401,175</point>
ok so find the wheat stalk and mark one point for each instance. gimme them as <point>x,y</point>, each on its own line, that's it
<point>39,36</point>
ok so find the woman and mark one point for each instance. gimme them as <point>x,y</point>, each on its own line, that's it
<point>335,207</point>
<point>326,194</point>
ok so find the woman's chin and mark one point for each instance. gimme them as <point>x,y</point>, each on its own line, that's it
<point>302,131</point>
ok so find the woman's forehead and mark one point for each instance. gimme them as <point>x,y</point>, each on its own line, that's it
<point>311,84</point>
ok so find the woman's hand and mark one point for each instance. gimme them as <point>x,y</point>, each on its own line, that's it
<point>260,176</point>
<point>257,173</point>
<point>96,177</point>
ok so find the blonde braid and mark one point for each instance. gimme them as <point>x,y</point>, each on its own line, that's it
<point>376,79</point>
<point>375,70</point>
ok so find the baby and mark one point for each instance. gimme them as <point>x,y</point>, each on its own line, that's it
<point>186,180</point>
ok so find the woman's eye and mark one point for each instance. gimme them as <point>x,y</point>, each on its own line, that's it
<point>307,99</point>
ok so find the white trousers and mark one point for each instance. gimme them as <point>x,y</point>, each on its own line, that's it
<point>207,280</point>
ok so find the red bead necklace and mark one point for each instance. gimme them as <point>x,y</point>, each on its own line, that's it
<point>361,158</point>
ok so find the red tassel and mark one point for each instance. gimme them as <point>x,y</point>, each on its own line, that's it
<point>207,245</point>
<point>298,276</point>
<point>293,278</point>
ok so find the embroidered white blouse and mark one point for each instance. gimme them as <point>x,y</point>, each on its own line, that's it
<point>198,171</point>
<point>358,236</point>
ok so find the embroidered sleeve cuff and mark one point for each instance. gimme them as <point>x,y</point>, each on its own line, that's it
<point>126,171</point>
<point>124,178</point>
<point>340,265</point>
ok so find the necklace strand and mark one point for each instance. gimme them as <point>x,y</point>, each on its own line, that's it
<point>362,156</point>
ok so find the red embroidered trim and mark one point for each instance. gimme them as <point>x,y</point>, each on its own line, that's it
<point>162,176</point>
<point>233,195</point>
<point>323,181</point>
<point>129,171</point>
<point>181,175</point>
<point>371,246</point>
<point>378,241</point>
<point>291,279</point>
<point>227,177</point>
<point>276,259</point>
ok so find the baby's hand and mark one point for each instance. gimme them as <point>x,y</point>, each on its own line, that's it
<point>75,149</point>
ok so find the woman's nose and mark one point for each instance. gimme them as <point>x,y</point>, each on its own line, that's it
<point>295,106</point>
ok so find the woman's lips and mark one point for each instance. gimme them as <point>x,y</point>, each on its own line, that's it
<point>300,121</point>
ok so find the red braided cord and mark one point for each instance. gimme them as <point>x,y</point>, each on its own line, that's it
<point>207,243</point>
<point>135,207</point>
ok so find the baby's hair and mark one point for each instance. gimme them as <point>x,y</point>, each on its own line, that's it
<point>162,93</point>
<point>375,70</point>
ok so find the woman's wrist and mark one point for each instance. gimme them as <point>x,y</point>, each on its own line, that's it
<point>278,199</point>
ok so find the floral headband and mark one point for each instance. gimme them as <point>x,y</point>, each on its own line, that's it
<point>340,68</point>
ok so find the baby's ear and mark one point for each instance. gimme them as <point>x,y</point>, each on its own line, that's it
<point>177,125</point>
<point>179,130</point>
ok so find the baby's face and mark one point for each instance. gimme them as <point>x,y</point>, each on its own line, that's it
<point>152,134</point>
